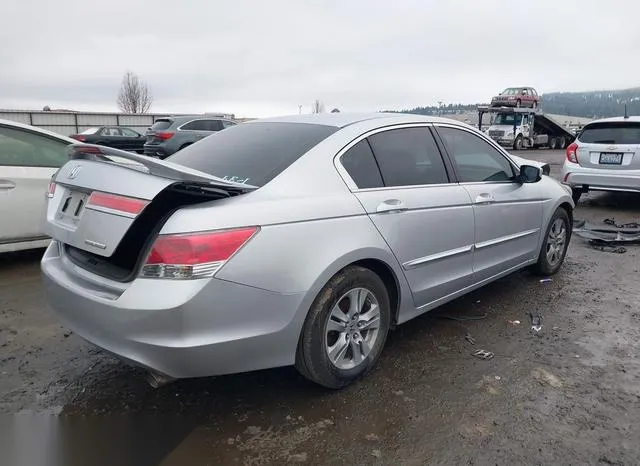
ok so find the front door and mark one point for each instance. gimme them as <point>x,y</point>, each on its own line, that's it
<point>508,214</point>
<point>426,220</point>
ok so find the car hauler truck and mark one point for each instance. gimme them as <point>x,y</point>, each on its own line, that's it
<point>524,128</point>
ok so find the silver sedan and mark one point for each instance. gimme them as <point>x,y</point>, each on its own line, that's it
<point>298,240</point>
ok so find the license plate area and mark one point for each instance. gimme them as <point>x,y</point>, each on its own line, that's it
<point>610,158</point>
<point>72,207</point>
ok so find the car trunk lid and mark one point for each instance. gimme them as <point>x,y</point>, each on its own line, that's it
<point>108,202</point>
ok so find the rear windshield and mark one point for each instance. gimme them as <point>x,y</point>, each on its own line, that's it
<point>624,132</point>
<point>159,125</point>
<point>252,153</point>
<point>90,131</point>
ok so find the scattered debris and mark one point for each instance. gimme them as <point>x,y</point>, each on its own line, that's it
<point>482,354</point>
<point>465,318</point>
<point>372,437</point>
<point>546,377</point>
<point>609,233</point>
<point>612,221</point>
<point>513,322</point>
<point>398,393</point>
<point>546,280</point>
<point>536,322</point>
<point>470,339</point>
<point>376,453</point>
<point>498,377</point>
<point>606,247</point>
<point>298,458</point>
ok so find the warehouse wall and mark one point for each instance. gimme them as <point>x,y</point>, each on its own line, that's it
<point>67,123</point>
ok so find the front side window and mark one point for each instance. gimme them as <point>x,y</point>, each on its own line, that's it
<point>408,157</point>
<point>476,160</point>
<point>361,165</point>
<point>20,148</point>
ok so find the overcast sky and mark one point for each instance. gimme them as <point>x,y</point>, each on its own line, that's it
<point>260,58</point>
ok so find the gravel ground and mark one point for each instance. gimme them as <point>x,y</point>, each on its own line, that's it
<point>569,394</point>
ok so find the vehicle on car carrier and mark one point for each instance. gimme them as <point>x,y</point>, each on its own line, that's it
<point>524,128</point>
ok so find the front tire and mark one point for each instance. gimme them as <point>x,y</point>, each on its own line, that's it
<point>556,242</point>
<point>517,144</point>
<point>345,329</point>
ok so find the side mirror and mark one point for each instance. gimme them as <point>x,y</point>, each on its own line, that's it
<point>529,174</point>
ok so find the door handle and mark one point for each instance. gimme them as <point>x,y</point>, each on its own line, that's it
<point>484,198</point>
<point>7,185</point>
<point>391,206</point>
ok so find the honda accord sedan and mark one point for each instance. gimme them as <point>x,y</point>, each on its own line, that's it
<point>290,241</point>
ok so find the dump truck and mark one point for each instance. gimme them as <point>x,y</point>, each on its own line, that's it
<point>524,128</point>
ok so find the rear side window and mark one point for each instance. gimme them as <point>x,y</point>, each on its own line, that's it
<point>197,125</point>
<point>212,125</point>
<point>361,166</point>
<point>408,157</point>
<point>20,148</point>
<point>611,133</point>
<point>252,153</point>
<point>161,125</point>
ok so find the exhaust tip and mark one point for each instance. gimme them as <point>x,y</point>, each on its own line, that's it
<point>157,380</point>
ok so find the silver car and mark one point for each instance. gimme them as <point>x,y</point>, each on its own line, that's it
<point>604,157</point>
<point>296,240</point>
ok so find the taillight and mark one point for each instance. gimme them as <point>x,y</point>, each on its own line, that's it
<point>129,206</point>
<point>164,135</point>
<point>194,255</point>
<point>571,153</point>
<point>79,137</point>
<point>52,189</point>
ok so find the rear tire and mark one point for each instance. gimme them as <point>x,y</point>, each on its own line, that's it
<point>185,145</point>
<point>342,338</point>
<point>553,143</point>
<point>555,244</point>
<point>561,143</point>
<point>518,103</point>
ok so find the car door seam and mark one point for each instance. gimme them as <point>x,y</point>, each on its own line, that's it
<point>504,239</point>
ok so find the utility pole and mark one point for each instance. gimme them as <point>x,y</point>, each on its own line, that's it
<point>439,107</point>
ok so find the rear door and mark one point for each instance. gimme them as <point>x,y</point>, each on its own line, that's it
<point>426,220</point>
<point>610,145</point>
<point>28,160</point>
<point>508,215</point>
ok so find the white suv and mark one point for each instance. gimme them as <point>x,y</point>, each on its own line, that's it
<point>604,157</point>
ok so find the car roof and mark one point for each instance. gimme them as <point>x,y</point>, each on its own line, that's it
<point>340,120</point>
<point>620,119</point>
<point>35,129</point>
<point>191,117</point>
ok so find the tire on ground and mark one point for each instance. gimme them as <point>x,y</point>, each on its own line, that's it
<point>312,359</point>
<point>544,266</point>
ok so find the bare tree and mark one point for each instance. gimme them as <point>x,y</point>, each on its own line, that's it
<point>317,107</point>
<point>135,95</point>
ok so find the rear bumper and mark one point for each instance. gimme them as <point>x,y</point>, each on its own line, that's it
<point>155,151</point>
<point>597,179</point>
<point>182,329</point>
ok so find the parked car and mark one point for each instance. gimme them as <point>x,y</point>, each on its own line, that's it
<point>169,135</point>
<point>296,240</point>
<point>604,157</point>
<point>517,97</point>
<point>113,136</point>
<point>29,157</point>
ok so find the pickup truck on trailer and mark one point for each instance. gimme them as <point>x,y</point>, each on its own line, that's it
<point>524,128</point>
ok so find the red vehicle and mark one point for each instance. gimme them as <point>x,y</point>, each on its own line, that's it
<point>517,97</point>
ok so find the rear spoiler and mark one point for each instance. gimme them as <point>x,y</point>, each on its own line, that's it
<point>150,165</point>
